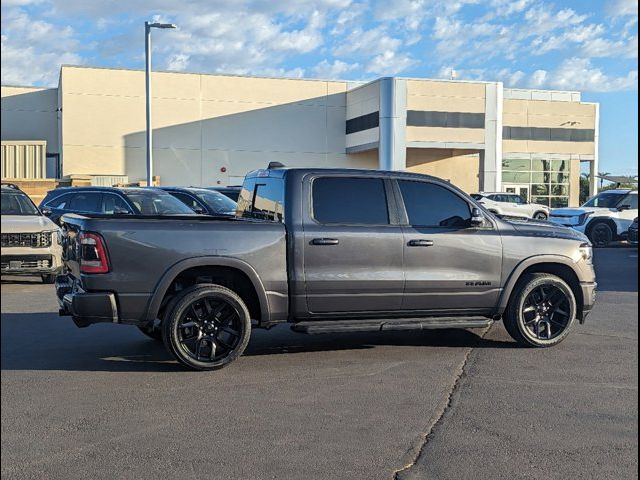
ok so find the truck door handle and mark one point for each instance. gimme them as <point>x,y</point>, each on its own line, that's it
<point>420,243</point>
<point>325,241</point>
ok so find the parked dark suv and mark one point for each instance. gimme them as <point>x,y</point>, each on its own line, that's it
<point>232,191</point>
<point>203,200</point>
<point>111,201</point>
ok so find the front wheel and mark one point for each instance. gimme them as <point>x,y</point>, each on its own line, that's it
<point>601,234</point>
<point>207,328</point>
<point>541,216</point>
<point>48,278</point>
<point>541,311</point>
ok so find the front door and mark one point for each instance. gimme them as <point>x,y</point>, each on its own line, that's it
<point>450,266</point>
<point>352,249</point>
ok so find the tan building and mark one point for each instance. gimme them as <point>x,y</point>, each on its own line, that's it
<point>212,129</point>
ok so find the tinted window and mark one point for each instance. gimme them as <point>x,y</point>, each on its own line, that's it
<point>16,203</point>
<point>476,196</point>
<point>632,201</point>
<point>59,201</point>
<point>263,198</point>
<point>430,205</point>
<point>157,202</point>
<point>350,201</point>
<point>85,202</point>
<point>217,202</point>
<point>114,204</point>
<point>605,200</point>
<point>187,200</point>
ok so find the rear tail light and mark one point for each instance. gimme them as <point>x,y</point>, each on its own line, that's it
<point>93,254</point>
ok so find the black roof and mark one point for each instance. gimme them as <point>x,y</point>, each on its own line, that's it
<point>283,172</point>
<point>103,189</point>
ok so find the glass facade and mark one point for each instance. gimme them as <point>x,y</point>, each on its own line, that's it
<point>547,179</point>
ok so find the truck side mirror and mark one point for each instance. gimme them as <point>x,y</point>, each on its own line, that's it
<point>622,208</point>
<point>477,217</point>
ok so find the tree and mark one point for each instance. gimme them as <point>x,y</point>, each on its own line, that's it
<point>602,174</point>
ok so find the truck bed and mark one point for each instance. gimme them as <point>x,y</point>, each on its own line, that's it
<point>143,251</point>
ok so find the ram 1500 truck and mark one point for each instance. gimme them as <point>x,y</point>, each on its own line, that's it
<point>326,250</point>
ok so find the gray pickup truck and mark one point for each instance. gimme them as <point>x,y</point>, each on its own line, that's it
<point>326,251</point>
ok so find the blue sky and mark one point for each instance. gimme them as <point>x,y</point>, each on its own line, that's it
<point>591,46</point>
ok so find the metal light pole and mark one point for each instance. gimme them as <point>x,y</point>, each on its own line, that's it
<point>147,79</point>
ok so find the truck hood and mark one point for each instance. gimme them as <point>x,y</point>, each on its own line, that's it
<point>544,229</point>
<point>26,224</point>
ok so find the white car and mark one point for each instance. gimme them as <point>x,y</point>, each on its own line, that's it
<point>511,205</point>
<point>604,218</point>
<point>30,241</point>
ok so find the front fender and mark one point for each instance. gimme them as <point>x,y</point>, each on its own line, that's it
<point>517,272</point>
<point>209,261</point>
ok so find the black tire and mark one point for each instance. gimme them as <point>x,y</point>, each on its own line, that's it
<point>206,314</point>
<point>600,234</point>
<point>48,278</point>
<point>152,332</point>
<point>541,216</point>
<point>529,332</point>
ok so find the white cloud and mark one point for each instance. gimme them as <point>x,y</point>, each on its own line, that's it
<point>580,74</point>
<point>33,50</point>
<point>389,62</point>
<point>333,70</point>
<point>623,8</point>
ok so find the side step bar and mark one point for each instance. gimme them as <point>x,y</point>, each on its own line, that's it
<point>384,325</point>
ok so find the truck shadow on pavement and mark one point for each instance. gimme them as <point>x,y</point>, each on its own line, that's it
<point>32,341</point>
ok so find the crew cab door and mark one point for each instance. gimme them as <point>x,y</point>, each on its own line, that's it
<point>450,266</point>
<point>352,246</point>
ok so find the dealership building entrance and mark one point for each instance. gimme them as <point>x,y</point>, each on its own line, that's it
<point>212,129</point>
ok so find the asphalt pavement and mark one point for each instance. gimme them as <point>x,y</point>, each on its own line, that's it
<point>107,402</point>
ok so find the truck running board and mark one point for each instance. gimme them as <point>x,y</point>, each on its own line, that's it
<point>383,325</point>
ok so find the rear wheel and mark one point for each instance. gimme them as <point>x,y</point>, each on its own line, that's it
<point>600,234</point>
<point>541,311</point>
<point>48,278</point>
<point>207,328</point>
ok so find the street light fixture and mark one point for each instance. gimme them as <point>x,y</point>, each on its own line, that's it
<point>147,47</point>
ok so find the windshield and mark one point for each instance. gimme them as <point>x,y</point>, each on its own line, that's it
<point>16,203</point>
<point>217,202</point>
<point>605,200</point>
<point>154,202</point>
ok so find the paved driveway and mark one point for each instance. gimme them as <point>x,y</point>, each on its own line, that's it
<point>107,402</point>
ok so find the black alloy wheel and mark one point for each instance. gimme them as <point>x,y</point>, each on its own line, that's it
<point>208,327</point>
<point>546,312</point>
<point>541,310</point>
<point>540,216</point>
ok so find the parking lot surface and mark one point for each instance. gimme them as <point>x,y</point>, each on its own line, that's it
<point>110,403</point>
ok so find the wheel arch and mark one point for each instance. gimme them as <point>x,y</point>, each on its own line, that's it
<point>560,266</point>
<point>609,221</point>
<point>253,294</point>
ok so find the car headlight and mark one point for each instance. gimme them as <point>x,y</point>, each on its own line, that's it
<point>586,251</point>
<point>583,218</point>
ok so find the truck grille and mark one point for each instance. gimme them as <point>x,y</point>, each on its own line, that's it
<point>33,240</point>
<point>25,262</point>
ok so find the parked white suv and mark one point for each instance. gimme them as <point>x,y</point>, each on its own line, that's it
<point>511,205</point>
<point>30,241</point>
<point>604,218</point>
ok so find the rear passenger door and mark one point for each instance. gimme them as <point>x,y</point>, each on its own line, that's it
<point>450,265</point>
<point>352,246</point>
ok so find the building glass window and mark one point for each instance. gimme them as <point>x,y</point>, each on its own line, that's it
<point>547,179</point>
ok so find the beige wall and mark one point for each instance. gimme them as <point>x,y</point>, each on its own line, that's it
<point>30,113</point>
<point>361,101</point>
<point>548,114</point>
<point>444,96</point>
<point>202,123</point>
<point>461,167</point>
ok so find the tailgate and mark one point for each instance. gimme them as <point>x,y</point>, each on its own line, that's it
<point>71,227</point>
